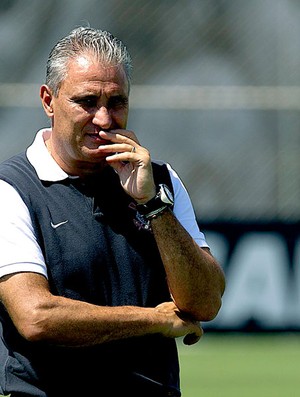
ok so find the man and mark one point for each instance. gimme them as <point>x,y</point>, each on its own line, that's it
<point>101,268</point>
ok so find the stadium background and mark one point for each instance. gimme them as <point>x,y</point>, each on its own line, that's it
<point>216,92</point>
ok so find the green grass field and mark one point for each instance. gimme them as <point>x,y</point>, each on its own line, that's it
<point>241,365</point>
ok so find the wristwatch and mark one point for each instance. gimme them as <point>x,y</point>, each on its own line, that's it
<point>161,201</point>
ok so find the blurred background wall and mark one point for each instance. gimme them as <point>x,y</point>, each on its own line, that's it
<point>216,92</point>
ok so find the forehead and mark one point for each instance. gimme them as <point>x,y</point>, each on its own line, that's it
<point>86,71</point>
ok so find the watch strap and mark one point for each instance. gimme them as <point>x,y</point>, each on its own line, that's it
<point>153,206</point>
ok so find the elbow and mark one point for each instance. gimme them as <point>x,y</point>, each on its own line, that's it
<point>204,311</point>
<point>208,304</point>
<point>209,311</point>
<point>32,327</point>
<point>31,333</point>
<point>209,307</point>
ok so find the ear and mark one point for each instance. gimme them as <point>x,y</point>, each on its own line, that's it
<point>46,97</point>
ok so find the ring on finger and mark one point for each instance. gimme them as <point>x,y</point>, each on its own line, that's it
<point>133,149</point>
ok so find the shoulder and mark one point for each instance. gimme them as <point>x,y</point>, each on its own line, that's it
<point>15,165</point>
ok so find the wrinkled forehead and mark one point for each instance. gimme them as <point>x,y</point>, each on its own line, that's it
<point>87,68</point>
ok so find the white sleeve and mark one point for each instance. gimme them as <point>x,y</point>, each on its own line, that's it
<point>183,209</point>
<point>20,251</point>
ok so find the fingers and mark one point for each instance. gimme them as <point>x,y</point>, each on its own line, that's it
<point>120,136</point>
<point>166,307</point>
<point>191,339</point>
<point>181,324</point>
<point>119,152</point>
<point>122,145</point>
<point>131,161</point>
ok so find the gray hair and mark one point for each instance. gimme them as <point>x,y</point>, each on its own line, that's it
<point>106,47</point>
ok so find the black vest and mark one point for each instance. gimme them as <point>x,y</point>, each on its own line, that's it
<point>99,255</point>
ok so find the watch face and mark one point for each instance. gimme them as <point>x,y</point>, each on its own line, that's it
<point>166,195</point>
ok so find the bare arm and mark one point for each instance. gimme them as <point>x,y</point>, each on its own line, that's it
<point>195,279</point>
<point>40,316</point>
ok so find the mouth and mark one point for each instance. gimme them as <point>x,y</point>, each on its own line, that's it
<point>95,138</point>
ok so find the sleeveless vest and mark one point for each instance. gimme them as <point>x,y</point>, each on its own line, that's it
<point>94,252</point>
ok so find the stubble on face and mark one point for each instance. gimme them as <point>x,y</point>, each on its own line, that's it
<point>86,104</point>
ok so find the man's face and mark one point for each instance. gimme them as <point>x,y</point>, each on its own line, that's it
<point>93,97</point>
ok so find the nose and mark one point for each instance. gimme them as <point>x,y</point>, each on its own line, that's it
<point>102,118</point>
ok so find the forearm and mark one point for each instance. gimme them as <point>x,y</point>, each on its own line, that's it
<point>195,279</point>
<point>40,316</point>
<point>73,323</point>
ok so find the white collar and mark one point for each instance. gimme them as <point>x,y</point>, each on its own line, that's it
<point>42,161</point>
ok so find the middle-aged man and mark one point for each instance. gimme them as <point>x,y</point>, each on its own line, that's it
<point>102,262</point>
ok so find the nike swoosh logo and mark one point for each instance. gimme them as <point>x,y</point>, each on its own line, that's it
<point>58,224</point>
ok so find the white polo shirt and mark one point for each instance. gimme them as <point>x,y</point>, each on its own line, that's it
<point>19,249</point>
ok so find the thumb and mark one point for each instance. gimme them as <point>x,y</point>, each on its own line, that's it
<point>193,337</point>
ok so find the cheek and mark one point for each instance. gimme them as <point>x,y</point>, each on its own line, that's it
<point>70,119</point>
<point>121,118</point>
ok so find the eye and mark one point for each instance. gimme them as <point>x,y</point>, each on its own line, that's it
<point>87,102</point>
<point>117,102</point>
